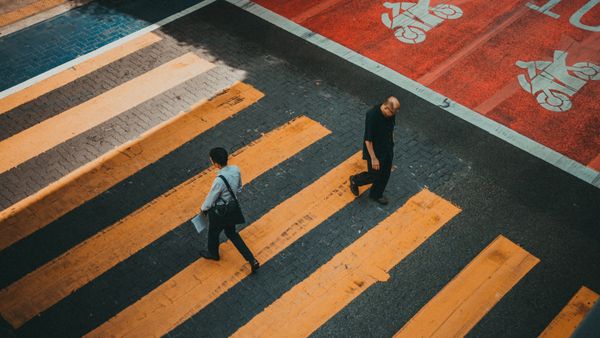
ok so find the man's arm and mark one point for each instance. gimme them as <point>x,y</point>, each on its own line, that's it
<point>213,195</point>
<point>369,136</point>
<point>374,159</point>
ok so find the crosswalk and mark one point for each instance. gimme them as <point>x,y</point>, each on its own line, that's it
<point>309,304</point>
<point>203,281</point>
<point>85,183</point>
<point>34,293</point>
<point>60,128</point>
<point>456,309</point>
<point>299,311</point>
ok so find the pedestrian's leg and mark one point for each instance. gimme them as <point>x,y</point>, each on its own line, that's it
<point>238,242</point>
<point>213,239</point>
<point>381,178</point>
<point>366,177</point>
<point>376,191</point>
<point>384,176</point>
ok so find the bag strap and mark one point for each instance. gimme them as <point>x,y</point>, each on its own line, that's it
<point>228,187</point>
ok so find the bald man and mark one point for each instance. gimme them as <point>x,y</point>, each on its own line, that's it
<point>378,149</point>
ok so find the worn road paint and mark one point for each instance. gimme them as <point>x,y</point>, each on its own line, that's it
<point>28,10</point>
<point>87,182</point>
<point>50,283</point>
<point>310,303</point>
<point>60,128</point>
<point>571,315</point>
<point>192,289</point>
<point>455,310</point>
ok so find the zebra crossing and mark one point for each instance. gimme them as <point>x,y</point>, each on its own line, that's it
<point>456,309</point>
<point>114,244</point>
<point>75,121</point>
<point>309,304</point>
<point>83,184</point>
<point>306,306</point>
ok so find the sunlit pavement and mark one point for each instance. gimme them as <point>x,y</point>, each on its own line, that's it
<point>104,161</point>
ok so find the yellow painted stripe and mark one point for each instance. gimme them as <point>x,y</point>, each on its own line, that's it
<point>571,315</point>
<point>27,11</point>
<point>473,292</point>
<point>87,182</point>
<point>56,81</point>
<point>310,303</point>
<point>203,281</point>
<point>50,283</point>
<point>57,129</point>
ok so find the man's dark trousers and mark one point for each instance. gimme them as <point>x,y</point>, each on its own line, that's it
<point>379,178</point>
<point>214,230</point>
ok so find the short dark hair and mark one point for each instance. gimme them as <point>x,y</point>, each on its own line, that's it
<point>219,156</point>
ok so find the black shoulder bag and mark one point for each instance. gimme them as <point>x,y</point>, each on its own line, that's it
<point>229,213</point>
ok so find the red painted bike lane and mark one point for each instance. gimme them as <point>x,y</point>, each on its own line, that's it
<point>534,68</point>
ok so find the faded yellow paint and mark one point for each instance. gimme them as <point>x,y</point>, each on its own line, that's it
<point>87,182</point>
<point>68,75</point>
<point>310,303</point>
<point>564,325</point>
<point>60,128</point>
<point>203,281</point>
<point>28,10</point>
<point>50,283</point>
<point>472,293</point>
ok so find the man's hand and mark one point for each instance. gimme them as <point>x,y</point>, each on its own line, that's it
<point>375,163</point>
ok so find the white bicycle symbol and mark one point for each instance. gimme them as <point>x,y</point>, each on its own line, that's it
<point>411,20</point>
<point>554,83</point>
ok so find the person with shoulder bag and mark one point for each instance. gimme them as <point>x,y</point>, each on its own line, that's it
<point>223,209</point>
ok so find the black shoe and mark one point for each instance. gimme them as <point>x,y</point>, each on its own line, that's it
<point>353,186</point>
<point>207,255</point>
<point>254,265</point>
<point>381,200</point>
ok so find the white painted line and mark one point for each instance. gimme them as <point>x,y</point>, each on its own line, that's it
<point>39,17</point>
<point>101,50</point>
<point>534,148</point>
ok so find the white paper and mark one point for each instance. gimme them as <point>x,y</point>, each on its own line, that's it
<point>200,222</point>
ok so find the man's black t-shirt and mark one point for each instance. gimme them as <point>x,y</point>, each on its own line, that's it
<point>379,130</point>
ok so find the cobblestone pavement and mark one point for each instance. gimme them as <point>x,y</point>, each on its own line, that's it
<point>500,191</point>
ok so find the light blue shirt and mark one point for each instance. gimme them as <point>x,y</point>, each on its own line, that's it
<point>219,189</point>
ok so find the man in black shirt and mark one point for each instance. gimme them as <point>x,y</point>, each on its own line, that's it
<point>378,149</point>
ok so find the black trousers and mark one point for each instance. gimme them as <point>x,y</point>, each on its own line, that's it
<point>214,230</point>
<point>379,178</point>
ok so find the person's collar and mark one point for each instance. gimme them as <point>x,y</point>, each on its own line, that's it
<point>223,170</point>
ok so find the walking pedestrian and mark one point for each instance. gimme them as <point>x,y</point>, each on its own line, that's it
<point>227,183</point>
<point>378,149</point>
